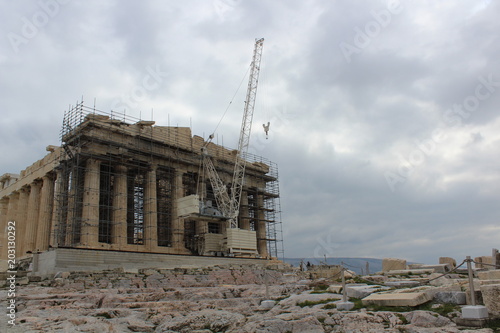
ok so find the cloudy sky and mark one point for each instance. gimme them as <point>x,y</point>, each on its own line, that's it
<point>384,115</point>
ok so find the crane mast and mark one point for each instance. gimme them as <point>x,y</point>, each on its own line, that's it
<point>229,239</point>
<point>244,141</point>
<point>230,205</point>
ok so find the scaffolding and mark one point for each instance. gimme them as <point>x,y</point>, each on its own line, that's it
<point>272,207</point>
<point>119,176</point>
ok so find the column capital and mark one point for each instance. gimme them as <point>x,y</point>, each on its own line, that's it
<point>57,172</point>
<point>93,161</point>
<point>119,168</point>
<point>13,194</point>
<point>25,189</point>
<point>49,176</point>
<point>36,183</point>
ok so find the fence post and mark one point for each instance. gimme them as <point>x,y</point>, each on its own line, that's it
<point>494,257</point>
<point>344,291</point>
<point>471,282</point>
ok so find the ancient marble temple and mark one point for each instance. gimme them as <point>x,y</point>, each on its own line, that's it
<point>116,183</point>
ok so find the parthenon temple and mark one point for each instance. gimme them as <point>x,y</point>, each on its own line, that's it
<point>117,183</point>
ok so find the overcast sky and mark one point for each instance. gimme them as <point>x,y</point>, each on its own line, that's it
<point>384,115</point>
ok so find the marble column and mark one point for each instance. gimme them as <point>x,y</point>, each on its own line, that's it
<point>22,213</point>
<point>12,211</point>
<point>244,212</point>
<point>90,210</point>
<point>32,217</point>
<point>4,204</point>
<point>45,213</point>
<point>12,216</point>
<point>69,232</point>
<point>178,222</point>
<point>261,227</point>
<point>119,228</point>
<point>57,225</point>
<point>150,210</point>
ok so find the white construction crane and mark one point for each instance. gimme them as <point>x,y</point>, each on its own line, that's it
<point>229,205</point>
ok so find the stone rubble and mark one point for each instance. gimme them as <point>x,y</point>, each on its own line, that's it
<point>218,299</point>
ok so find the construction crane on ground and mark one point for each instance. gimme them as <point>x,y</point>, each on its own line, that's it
<point>229,240</point>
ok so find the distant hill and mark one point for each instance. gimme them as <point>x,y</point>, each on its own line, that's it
<point>357,265</point>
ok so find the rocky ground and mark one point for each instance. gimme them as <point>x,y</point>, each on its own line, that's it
<point>218,299</point>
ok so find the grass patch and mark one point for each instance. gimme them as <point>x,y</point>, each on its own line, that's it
<point>358,304</point>
<point>281,298</point>
<point>319,292</point>
<point>494,324</point>
<point>444,309</point>
<point>312,303</point>
<point>402,318</point>
<point>377,308</point>
<point>319,285</point>
<point>357,279</point>
<point>320,289</point>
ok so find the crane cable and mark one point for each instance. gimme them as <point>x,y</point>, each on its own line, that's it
<point>229,105</point>
<point>201,170</point>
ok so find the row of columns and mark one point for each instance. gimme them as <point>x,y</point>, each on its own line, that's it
<point>38,216</point>
<point>261,228</point>
<point>90,212</point>
<point>261,223</point>
<point>31,208</point>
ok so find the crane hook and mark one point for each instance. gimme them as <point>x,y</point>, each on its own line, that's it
<point>266,129</point>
